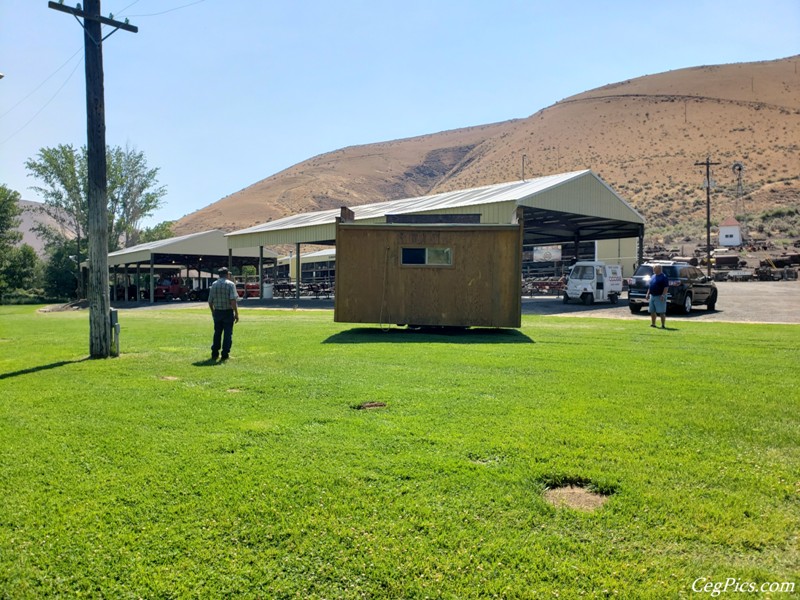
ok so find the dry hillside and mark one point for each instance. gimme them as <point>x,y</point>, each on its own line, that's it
<point>32,216</point>
<point>642,136</point>
<point>350,176</point>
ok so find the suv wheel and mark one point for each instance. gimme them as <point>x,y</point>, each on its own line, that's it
<point>687,303</point>
<point>635,308</point>
<point>712,303</point>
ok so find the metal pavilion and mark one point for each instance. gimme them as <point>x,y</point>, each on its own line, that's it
<point>565,208</point>
<point>204,252</point>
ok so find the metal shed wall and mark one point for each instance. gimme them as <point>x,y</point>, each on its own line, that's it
<point>622,252</point>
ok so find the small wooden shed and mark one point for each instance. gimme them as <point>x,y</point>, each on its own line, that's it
<point>429,274</point>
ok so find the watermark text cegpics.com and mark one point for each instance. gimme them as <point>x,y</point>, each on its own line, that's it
<point>732,585</point>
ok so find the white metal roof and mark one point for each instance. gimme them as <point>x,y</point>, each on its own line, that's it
<point>205,243</point>
<point>318,256</point>
<point>318,226</point>
<point>461,198</point>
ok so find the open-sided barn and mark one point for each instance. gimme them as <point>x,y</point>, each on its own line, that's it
<point>569,208</point>
<point>205,251</point>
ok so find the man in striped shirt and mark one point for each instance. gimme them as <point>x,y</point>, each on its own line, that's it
<point>222,299</point>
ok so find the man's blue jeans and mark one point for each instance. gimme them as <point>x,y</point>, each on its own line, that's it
<point>223,331</point>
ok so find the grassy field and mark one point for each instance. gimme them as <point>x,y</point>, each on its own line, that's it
<point>162,475</point>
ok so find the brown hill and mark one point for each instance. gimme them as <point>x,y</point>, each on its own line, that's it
<point>350,176</point>
<point>31,216</point>
<point>642,136</point>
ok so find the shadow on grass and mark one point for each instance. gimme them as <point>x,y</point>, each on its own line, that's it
<point>443,335</point>
<point>31,370</point>
<point>209,362</point>
<point>695,314</point>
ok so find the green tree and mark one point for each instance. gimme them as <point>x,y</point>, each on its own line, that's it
<point>63,173</point>
<point>133,191</point>
<point>22,269</point>
<point>9,217</point>
<point>133,194</point>
<point>160,231</point>
<point>60,270</point>
<point>9,224</point>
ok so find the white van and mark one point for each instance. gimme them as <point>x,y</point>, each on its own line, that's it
<point>594,281</point>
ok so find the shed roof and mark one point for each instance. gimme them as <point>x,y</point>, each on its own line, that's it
<point>730,222</point>
<point>576,193</point>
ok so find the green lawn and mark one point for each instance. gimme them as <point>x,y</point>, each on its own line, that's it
<point>161,475</point>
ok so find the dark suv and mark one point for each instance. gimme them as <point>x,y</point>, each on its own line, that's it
<point>688,286</point>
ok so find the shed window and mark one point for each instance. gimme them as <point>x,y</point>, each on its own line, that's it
<point>427,256</point>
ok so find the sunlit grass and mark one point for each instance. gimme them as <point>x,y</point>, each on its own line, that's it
<point>161,474</point>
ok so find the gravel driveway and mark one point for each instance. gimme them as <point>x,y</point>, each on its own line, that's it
<point>740,302</point>
<point>745,302</point>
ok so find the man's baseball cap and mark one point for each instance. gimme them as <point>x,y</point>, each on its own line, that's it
<point>223,271</point>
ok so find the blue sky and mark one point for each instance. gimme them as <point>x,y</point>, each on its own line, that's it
<point>220,94</point>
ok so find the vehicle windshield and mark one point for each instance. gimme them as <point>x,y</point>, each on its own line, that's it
<point>584,272</point>
<point>646,271</point>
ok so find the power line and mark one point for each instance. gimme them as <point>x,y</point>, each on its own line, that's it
<point>129,5</point>
<point>46,104</point>
<point>48,78</point>
<point>163,12</point>
<point>61,87</point>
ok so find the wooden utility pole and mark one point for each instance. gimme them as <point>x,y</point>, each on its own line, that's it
<point>99,302</point>
<point>708,165</point>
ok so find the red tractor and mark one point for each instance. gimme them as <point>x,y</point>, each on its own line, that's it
<point>169,288</point>
<point>246,289</point>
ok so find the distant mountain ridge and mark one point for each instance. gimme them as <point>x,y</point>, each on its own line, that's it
<point>643,136</point>
<point>31,216</point>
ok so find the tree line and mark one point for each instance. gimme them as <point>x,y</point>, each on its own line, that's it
<point>134,193</point>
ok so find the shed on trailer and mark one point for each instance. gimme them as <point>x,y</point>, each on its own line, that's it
<point>429,274</point>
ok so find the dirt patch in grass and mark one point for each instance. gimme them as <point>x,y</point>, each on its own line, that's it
<point>369,405</point>
<point>75,305</point>
<point>169,378</point>
<point>575,497</point>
